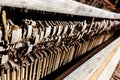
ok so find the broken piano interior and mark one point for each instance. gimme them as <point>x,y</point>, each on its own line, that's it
<point>59,39</point>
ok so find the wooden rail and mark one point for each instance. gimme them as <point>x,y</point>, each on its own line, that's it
<point>99,62</point>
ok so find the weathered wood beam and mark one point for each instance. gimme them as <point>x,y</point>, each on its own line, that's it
<point>98,63</point>
<point>61,6</point>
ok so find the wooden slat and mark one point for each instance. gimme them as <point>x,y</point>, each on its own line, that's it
<point>83,72</point>
<point>108,71</point>
<point>101,68</point>
<point>61,6</point>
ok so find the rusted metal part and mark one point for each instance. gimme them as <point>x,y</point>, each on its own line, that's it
<point>110,5</point>
<point>108,2</point>
<point>61,6</point>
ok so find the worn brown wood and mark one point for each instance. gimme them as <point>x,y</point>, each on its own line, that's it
<point>97,73</point>
<point>61,6</point>
<point>5,25</point>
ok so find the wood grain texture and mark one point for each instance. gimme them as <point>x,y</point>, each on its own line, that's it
<point>108,71</point>
<point>101,68</point>
<point>86,70</point>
